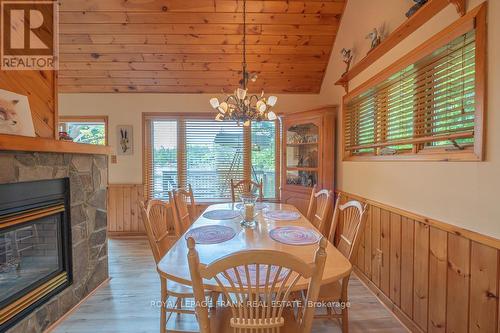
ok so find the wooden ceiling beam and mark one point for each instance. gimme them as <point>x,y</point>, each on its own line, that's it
<point>214,66</point>
<point>190,57</point>
<point>186,39</point>
<point>187,49</point>
<point>295,88</point>
<point>200,81</point>
<point>82,17</point>
<point>223,6</point>
<point>236,75</point>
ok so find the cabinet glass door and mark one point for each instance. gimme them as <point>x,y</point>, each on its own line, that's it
<point>302,146</point>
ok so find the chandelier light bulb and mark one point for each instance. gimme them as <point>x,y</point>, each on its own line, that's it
<point>261,106</point>
<point>241,93</point>
<point>222,108</point>
<point>271,115</point>
<point>271,100</point>
<point>214,102</point>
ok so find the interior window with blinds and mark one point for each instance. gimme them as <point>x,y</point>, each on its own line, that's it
<point>426,106</point>
<point>214,156</point>
<point>207,154</point>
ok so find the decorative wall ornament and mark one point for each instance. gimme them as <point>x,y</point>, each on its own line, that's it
<point>418,4</point>
<point>15,114</point>
<point>347,55</point>
<point>375,37</point>
<point>125,140</point>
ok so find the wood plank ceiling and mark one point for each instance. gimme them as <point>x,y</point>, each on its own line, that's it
<point>194,46</point>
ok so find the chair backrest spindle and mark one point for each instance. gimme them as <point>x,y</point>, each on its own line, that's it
<point>246,186</point>
<point>160,225</point>
<point>257,285</point>
<point>354,215</point>
<point>319,207</point>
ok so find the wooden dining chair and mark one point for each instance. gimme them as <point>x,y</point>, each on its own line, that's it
<point>246,186</point>
<point>349,218</point>
<point>181,208</point>
<point>257,285</point>
<point>162,232</point>
<point>319,207</point>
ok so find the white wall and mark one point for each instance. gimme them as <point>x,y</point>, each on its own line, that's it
<point>462,193</point>
<point>127,109</point>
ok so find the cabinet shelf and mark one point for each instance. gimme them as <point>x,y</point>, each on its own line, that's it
<point>302,144</point>
<point>301,169</point>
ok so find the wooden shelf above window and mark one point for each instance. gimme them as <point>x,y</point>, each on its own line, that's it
<point>424,14</point>
<point>24,143</point>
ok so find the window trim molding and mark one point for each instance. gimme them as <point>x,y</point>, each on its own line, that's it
<point>474,19</point>
<point>88,119</point>
<point>147,117</point>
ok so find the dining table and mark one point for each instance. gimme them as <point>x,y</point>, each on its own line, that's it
<point>174,264</point>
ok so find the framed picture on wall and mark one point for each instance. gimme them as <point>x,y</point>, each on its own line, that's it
<point>125,140</point>
<point>15,114</point>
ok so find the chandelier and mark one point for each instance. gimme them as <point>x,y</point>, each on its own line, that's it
<point>241,106</point>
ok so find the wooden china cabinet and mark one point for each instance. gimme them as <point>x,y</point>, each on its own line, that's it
<point>308,155</point>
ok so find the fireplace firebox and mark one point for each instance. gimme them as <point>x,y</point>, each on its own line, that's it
<point>35,246</point>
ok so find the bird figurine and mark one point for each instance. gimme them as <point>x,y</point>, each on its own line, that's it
<point>418,4</point>
<point>374,37</point>
<point>347,55</point>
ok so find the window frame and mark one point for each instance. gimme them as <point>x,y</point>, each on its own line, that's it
<point>148,117</point>
<point>87,119</point>
<point>475,19</point>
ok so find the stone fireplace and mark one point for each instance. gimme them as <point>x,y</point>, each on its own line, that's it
<point>66,258</point>
<point>35,246</point>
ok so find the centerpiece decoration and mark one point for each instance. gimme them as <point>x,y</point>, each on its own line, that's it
<point>248,209</point>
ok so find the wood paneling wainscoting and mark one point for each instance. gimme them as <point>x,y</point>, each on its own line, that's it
<point>124,217</point>
<point>434,276</point>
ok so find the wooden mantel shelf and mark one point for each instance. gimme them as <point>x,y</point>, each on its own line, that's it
<point>24,143</point>
<point>424,14</point>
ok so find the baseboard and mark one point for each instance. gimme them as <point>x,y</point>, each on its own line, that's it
<point>126,234</point>
<point>74,308</point>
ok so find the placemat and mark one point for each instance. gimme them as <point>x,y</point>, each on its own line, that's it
<point>252,272</point>
<point>221,214</point>
<point>211,234</point>
<point>282,215</point>
<point>295,235</point>
<point>258,205</point>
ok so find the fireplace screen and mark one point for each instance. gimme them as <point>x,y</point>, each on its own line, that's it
<point>29,254</point>
<point>34,246</point>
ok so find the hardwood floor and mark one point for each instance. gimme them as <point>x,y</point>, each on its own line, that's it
<point>126,303</point>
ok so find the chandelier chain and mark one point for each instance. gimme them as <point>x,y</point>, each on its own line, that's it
<point>242,106</point>
<point>244,44</point>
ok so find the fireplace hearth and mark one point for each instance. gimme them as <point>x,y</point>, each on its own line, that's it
<point>35,246</point>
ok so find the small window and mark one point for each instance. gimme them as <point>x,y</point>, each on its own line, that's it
<point>89,130</point>
<point>426,106</point>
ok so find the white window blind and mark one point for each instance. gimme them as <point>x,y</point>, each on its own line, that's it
<point>429,103</point>
<point>214,156</point>
<point>163,174</point>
